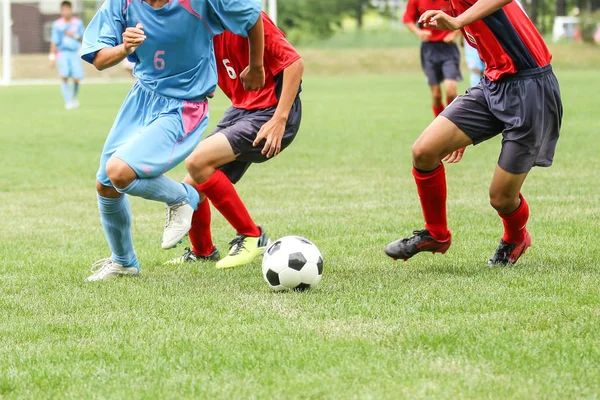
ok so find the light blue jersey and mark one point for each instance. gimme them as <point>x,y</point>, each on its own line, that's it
<point>177,58</point>
<point>63,41</point>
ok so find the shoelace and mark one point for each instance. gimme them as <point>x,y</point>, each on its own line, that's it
<point>236,245</point>
<point>416,236</point>
<point>188,255</point>
<point>171,210</point>
<point>503,251</point>
<point>98,265</point>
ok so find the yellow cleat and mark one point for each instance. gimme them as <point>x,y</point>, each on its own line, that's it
<point>244,249</point>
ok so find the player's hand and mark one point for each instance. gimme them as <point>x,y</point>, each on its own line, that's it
<point>133,38</point>
<point>439,20</point>
<point>70,33</point>
<point>52,63</point>
<point>253,78</point>
<point>450,38</point>
<point>424,35</point>
<point>455,156</point>
<point>272,131</point>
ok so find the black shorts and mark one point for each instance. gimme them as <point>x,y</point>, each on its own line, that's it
<point>240,127</point>
<point>525,107</point>
<point>440,61</point>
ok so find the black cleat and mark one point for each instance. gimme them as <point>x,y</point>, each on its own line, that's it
<point>189,257</point>
<point>404,249</point>
<point>507,253</point>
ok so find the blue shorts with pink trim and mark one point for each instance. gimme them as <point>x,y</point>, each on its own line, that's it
<point>152,133</point>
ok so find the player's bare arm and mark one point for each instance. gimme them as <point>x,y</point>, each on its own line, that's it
<point>111,56</point>
<point>481,9</point>
<point>422,34</point>
<point>253,77</point>
<point>52,55</point>
<point>274,129</point>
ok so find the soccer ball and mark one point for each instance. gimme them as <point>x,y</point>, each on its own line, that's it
<point>292,262</point>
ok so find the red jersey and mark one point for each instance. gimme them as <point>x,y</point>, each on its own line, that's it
<point>232,54</point>
<point>415,8</point>
<point>507,40</point>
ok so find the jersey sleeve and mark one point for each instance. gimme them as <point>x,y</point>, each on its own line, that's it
<point>236,16</point>
<point>80,29</point>
<point>55,34</point>
<point>412,12</point>
<point>104,30</point>
<point>279,53</point>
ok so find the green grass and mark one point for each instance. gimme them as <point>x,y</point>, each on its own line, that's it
<point>435,327</point>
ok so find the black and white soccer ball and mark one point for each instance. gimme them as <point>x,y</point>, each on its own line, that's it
<point>292,262</point>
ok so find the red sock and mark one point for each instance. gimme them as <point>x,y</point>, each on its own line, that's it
<point>200,235</point>
<point>432,192</point>
<point>220,191</point>
<point>437,110</point>
<point>515,223</point>
<point>449,100</point>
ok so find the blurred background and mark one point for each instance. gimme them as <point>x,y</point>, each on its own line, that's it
<point>327,31</point>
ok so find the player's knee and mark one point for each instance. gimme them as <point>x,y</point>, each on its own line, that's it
<point>119,173</point>
<point>106,191</point>
<point>503,203</point>
<point>199,169</point>
<point>424,157</point>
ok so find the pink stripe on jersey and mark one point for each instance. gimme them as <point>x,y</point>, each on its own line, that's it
<point>188,6</point>
<point>193,113</point>
<point>127,5</point>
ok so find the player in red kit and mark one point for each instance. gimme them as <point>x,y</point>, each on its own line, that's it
<point>257,127</point>
<point>440,58</point>
<point>519,96</point>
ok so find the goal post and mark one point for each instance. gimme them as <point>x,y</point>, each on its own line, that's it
<point>270,7</point>
<point>6,42</point>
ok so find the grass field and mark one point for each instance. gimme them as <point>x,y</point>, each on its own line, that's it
<point>435,327</point>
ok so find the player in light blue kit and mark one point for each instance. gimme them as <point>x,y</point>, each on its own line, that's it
<point>476,66</point>
<point>166,112</point>
<point>67,32</point>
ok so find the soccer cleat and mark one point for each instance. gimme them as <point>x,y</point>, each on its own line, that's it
<point>404,249</point>
<point>189,257</point>
<point>507,253</point>
<point>75,104</point>
<point>107,269</point>
<point>177,225</point>
<point>243,249</point>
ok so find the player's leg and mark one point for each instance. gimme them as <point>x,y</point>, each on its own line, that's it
<point>441,138</point>
<point>531,132</point>
<point>137,168</point>
<point>467,120</point>
<point>451,71</point>
<point>437,105</point>
<point>64,71</point>
<point>451,89</point>
<point>203,166</point>
<point>115,212</point>
<point>77,75</point>
<point>507,200</point>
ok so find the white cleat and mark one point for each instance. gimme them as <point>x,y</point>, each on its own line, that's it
<point>177,225</point>
<point>75,103</point>
<point>106,269</point>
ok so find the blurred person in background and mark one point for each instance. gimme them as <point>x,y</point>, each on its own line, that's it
<point>474,62</point>
<point>440,57</point>
<point>67,32</point>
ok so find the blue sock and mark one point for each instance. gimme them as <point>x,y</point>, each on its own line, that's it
<point>115,215</point>
<point>163,189</point>
<point>66,92</point>
<point>75,89</point>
